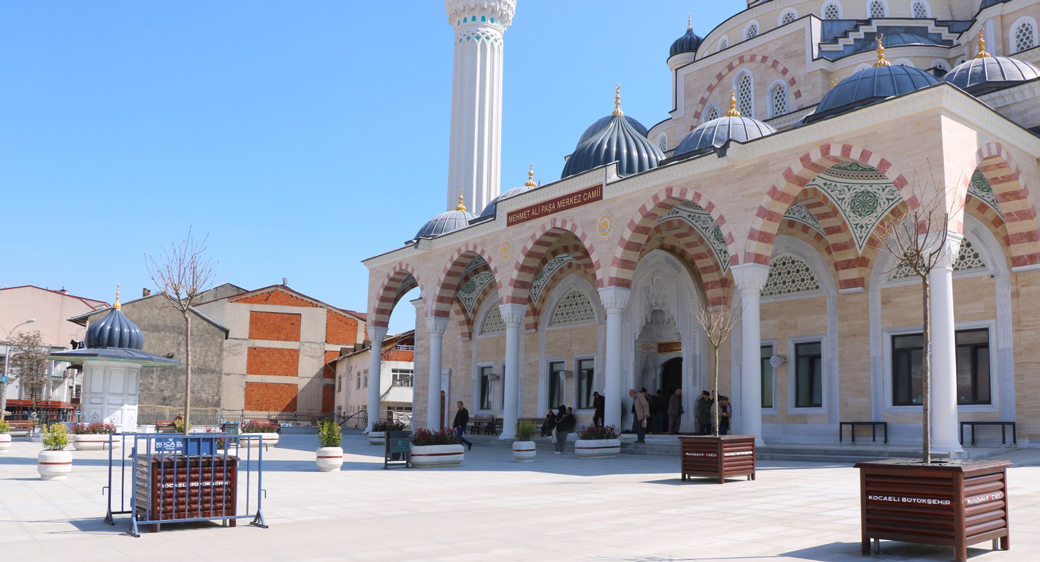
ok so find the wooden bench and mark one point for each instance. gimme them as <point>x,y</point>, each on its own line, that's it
<point>1003,436</point>
<point>477,425</point>
<point>852,429</point>
<point>21,426</point>
<point>165,426</point>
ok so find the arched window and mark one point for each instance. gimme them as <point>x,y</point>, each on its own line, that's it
<point>745,94</point>
<point>1023,35</point>
<point>573,308</point>
<point>787,17</point>
<point>919,9</point>
<point>723,43</point>
<point>662,142</point>
<point>877,9</point>
<point>831,11</point>
<point>493,322</point>
<point>712,113</point>
<point>778,100</point>
<point>751,31</point>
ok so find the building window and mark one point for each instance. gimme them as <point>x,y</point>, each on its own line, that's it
<point>359,381</point>
<point>574,307</point>
<point>403,377</point>
<point>486,387</point>
<point>712,113</point>
<point>339,383</point>
<point>876,8</point>
<point>662,142</point>
<point>723,44</point>
<point>745,95</point>
<point>778,99</point>
<point>973,372</point>
<point>1025,36</point>
<point>788,17</point>
<point>808,375</point>
<point>555,389</point>
<point>586,382</point>
<point>919,10</point>
<point>366,379</point>
<point>767,376</point>
<point>831,11</point>
<point>752,31</point>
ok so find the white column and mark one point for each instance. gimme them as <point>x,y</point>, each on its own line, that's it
<point>944,351</point>
<point>435,328</point>
<point>376,334</point>
<point>614,300</point>
<point>750,279</point>
<point>475,146</point>
<point>513,316</point>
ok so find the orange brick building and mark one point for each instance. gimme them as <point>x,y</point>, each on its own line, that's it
<point>277,353</point>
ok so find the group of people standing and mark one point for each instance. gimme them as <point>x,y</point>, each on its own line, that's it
<point>655,414</point>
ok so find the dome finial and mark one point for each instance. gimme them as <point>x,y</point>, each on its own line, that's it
<point>733,112</point>
<point>982,45</point>
<point>617,100</point>
<point>530,177</point>
<point>460,206</point>
<point>881,52</point>
<point>117,305</point>
<point>689,22</point>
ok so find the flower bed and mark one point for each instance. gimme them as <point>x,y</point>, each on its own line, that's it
<point>263,432</point>
<point>598,442</point>
<point>436,448</point>
<point>378,434</point>
<point>93,436</point>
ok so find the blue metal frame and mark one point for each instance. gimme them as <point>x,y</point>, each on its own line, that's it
<point>146,446</point>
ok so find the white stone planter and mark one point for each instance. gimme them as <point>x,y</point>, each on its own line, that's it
<point>376,437</point>
<point>5,441</point>
<point>329,459</point>
<point>524,451</point>
<point>94,442</point>
<point>597,448</point>
<point>269,439</point>
<point>54,465</point>
<point>437,455</point>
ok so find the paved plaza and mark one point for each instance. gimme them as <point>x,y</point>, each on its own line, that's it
<point>559,508</point>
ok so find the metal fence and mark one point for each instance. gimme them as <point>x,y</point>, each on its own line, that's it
<point>177,479</point>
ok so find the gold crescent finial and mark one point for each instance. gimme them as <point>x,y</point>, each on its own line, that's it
<point>530,177</point>
<point>617,100</point>
<point>834,83</point>
<point>982,45</point>
<point>460,207</point>
<point>881,52</point>
<point>117,305</point>
<point>689,22</point>
<point>733,112</point>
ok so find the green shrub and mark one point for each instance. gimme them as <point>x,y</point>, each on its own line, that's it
<point>388,425</point>
<point>524,430</point>
<point>425,437</point>
<point>329,433</point>
<point>55,437</point>
<point>5,427</point>
<point>179,426</point>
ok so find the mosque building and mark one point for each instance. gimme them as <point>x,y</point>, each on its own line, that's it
<point>799,132</point>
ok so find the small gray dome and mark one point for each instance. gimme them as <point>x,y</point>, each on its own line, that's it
<point>600,124</point>
<point>980,75</point>
<point>716,132</point>
<point>619,142</point>
<point>492,207</point>
<point>870,85</point>
<point>114,330</point>
<point>688,43</point>
<point>444,223</point>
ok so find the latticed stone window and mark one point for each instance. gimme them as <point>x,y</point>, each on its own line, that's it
<point>789,275</point>
<point>968,259</point>
<point>877,9</point>
<point>752,31</point>
<point>919,10</point>
<point>662,142</point>
<point>831,11</point>
<point>1024,37</point>
<point>779,99</point>
<point>788,18</point>
<point>711,114</point>
<point>723,44</point>
<point>573,307</point>
<point>493,324</point>
<point>745,96</point>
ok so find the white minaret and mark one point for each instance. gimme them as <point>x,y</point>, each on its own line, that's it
<point>475,151</point>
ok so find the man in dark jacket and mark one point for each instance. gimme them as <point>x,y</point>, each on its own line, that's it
<point>598,404</point>
<point>725,414</point>
<point>703,413</point>
<point>564,424</point>
<point>675,412</point>
<point>461,420</point>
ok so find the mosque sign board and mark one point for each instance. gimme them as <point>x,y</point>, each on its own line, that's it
<point>552,206</point>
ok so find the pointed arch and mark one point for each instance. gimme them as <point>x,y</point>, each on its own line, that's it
<point>536,248</point>
<point>447,285</point>
<point>693,250</point>
<point>1013,196</point>
<point>401,278</point>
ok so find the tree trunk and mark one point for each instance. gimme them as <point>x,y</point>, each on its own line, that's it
<point>926,377</point>
<point>716,390</point>
<point>187,371</point>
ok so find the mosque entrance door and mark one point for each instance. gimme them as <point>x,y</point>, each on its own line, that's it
<point>671,376</point>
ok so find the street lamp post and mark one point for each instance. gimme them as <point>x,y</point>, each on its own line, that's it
<point>7,361</point>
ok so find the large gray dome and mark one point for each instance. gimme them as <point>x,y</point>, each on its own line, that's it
<point>618,142</point>
<point>870,85</point>
<point>717,132</point>
<point>602,123</point>
<point>986,73</point>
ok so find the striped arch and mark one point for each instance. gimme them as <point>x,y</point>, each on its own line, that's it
<point>447,285</point>
<point>848,264</point>
<point>533,317</point>
<point>541,242</point>
<point>989,217</point>
<point>792,83</point>
<point>467,321</point>
<point>1012,193</point>
<point>629,247</point>
<point>693,250</point>
<point>805,233</point>
<point>785,192</point>
<point>401,279</point>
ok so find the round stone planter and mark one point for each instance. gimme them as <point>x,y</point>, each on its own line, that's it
<point>269,439</point>
<point>329,459</point>
<point>597,448</point>
<point>524,451</point>
<point>93,442</point>
<point>54,465</point>
<point>437,455</point>
<point>5,441</point>
<point>376,437</point>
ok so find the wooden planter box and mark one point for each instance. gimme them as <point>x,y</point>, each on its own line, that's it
<point>180,487</point>
<point>725,456</point>
<point>953,503</point>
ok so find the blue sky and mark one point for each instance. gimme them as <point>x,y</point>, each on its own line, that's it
<point>301,137</point>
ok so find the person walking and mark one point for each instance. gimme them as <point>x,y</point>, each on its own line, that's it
<point>725,413</point>
<point>461,420</point>
<point>598,404</point>
<point>702,411</point>
<point>564,424</point>
<point>675,412</point>
<point>642,411</point>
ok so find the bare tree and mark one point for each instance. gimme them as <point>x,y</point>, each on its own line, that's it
<point>717,323</point>
<point>918,244</point>
<point>181,273</point>
<point>29,363</point>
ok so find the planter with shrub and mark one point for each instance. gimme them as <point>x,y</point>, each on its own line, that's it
<point>93,436</point>
<point>598,442</point>
<point>262,432</point>
<point>5,436</point>
<point>436,448</point>
<point>54,462</point>
<point>329,456</point>
<point>524,449</point>
<point>378,434</point>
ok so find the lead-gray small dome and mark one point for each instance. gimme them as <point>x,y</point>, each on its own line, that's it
<point>114,330</point>
<point>492,207</point>
<point>716,132</point>
<point>602,123</point>
<point>688,43</point>
<point>987,73</point>
<point>444,223</point>
<point>618,142</point>
<point>870,85</point>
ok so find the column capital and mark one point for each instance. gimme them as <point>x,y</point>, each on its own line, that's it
<point>951,247</point>
<point>614,299</point>
<point>750,278</point>
<point>513,314</point>
<point>436,325</point>
<point>501,10</point>
<point>376,334</point>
